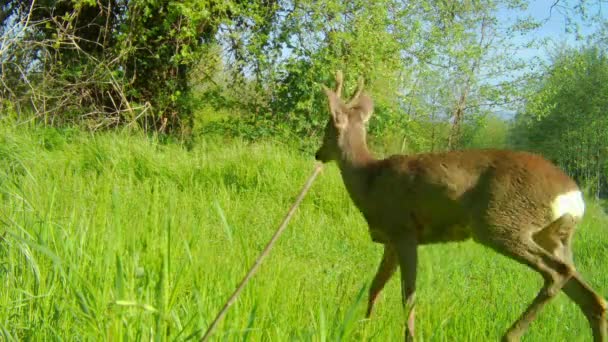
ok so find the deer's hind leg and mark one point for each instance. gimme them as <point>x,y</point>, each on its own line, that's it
<point>556,239</point>
<point>592,305</point>
<point>555,273</point>
<point>520,246</point>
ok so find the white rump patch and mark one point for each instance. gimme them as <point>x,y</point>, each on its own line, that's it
<point>569,203</point>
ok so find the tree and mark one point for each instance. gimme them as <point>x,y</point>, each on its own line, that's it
<point>109,62</point>
<point>469,57</point>
<point>566,119</point>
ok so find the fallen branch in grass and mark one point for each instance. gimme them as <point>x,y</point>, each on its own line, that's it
<point>264,253</point>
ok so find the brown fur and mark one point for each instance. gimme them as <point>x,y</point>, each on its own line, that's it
<point>501,199</point>
<point>441,192</point>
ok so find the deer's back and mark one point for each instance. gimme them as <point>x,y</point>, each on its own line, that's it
<point>442,194</point>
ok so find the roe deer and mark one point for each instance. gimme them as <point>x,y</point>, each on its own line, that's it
<point>516,203</point>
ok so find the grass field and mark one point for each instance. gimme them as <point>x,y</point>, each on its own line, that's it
<point>117,237</point>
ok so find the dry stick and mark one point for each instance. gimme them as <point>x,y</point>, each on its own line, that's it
<point>264,253</point>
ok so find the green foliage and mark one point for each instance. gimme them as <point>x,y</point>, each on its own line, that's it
<point>111,63</point>
<point>566,118</point>
<point>488,131</point>
<point>419,60</point>
<point>171,66</point>
<point>322,37</point>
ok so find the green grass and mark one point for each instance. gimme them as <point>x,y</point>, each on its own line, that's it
<point>117,237</point>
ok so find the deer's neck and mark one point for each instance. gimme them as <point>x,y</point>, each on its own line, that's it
<point>355,164</point>
<point>353,148</point>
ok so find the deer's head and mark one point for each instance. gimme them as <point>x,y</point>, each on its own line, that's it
<point>345,131</point>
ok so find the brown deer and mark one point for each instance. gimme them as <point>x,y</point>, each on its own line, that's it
<point>516,203</point>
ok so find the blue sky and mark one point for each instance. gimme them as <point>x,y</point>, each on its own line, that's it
<point>555,23</point>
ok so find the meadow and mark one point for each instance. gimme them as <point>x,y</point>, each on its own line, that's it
<point>123,237</point>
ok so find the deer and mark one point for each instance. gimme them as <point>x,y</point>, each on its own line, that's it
<point>516,203</point>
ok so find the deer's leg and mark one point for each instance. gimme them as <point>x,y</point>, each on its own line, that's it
<point>553,283</point>
<point>406,249</point>
<point>387,268</point>
<point>556,239</point>
<point>555,271</point>
<point>592,305</point>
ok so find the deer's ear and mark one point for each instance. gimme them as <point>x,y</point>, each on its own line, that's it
<point>364,107</point>
<point>336,108</point>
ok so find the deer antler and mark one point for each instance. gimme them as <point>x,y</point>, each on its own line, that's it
<point>339,83</point>
<point>338,91</point>
<point>358,92</point>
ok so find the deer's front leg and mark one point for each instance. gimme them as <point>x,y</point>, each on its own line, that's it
<point>387,268</point>
<point>407,253</point>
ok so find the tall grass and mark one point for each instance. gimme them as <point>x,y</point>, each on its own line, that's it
<point>118,237</point>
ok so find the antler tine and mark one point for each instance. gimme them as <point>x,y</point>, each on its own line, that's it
<point>339,82</point>
<point>358,92</point>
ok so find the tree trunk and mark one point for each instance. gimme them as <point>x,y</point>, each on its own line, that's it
<point>457,117</point>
